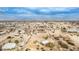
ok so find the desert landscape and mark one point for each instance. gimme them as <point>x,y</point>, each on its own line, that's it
<point>39,36</point>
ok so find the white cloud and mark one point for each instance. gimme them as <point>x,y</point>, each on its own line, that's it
<point>32,10</point>
<point>60,9</point>
<point>55,9</point>
<point>45,10</point>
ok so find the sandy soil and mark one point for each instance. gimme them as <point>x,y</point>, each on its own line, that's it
<point>29,36</point>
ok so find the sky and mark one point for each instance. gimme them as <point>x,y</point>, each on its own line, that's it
<point>39,13</point>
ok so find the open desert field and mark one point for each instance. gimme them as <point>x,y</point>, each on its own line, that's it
<point>39,36</point>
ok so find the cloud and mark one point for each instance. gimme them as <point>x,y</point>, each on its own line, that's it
<point>39,12</point>
<point>35,10</point>
<point>61,9</point>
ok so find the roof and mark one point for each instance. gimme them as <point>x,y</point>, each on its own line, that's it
<point>9,46</point>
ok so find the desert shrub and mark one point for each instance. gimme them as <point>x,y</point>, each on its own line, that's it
<point>35,42</point>
<point>50,44</point>
<point>9,37</point>
<point>45,37</point>
<point>42,49</point>
<point>57,38</point>
<point>37,48</point>
<point>16,41</point>
<point>9,41</point>
<point>51,49</point>
<point>27,49</point>
<point>63,29</point>
<point>0,48</point>
<point>63,45</point>
<point>78,34</point>
<point>70,42</point>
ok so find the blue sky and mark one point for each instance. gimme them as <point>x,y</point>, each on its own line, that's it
<point>65,13</point>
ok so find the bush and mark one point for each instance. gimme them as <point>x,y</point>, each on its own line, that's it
<point>0,48</point>
<point>70,42</point>
<point>63,45</point>
<point>9,41</point>
<point>16,41</point>
<point>35,42</point>
<point>42,49</point>
<point>63,29</point>
<point>45,37</point>
<point>9,37</point>
<point>50,44</point>
<point>27,49</point>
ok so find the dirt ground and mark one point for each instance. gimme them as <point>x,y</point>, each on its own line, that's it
<point>40,36</point>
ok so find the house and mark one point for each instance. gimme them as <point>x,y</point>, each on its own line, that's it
<point>73,30</point>
<point>9,46</point>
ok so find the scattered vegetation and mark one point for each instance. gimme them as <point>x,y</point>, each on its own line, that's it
<point>9,41</point>
<point>57,38</point>
<point>27,49</point>
<point>50,44</point>
<point>51,49</point>
<point>45,37</point>
<point>42,49</point>
<point>70,42</point>
<point>62,44</point>
<point>38,45</point>
<point>2,26</point>
<point>78,34</point>
<point>9,37</point>
<point>0,48</point>
<point>63,29</point>
<point>37,48</point>
<point>16,41</point>
<point>35,41</point>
